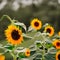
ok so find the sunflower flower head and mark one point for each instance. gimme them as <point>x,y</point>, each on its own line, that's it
<point>36,24</point>
<point>56,43</point>
<point>49,29</point>
<point>59,33</point>
<point>58,55</point>
<point>13,35</point>
<point>2,57</point>
<point>27,52</point>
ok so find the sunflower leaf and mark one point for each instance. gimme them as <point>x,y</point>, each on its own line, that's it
<point>26,36</point>
<point>21,55</point>
<point>48,45</point>
<point>38,43</point>
<point>20,49</point>
<point>50,56</point>
<point>21,24</point>
<point>30,29</point>
<point>1,45</point>
<point>52,50</point>
<point>9,47</point>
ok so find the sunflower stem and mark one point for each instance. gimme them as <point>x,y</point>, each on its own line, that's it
<point>13,53</point>
<point>15,58</point>
<point>43,58</point>
<point>6,16</point>
<point>43,44</point>
<point>43,52</point>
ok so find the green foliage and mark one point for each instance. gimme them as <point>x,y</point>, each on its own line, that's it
<point>10,47</point>
<point>40,43</point>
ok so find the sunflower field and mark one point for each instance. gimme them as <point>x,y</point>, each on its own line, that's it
<point>38,42</point>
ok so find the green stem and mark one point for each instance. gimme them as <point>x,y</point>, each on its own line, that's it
<point>6,16</point>
<point>13,54</point>
<point>43,52</point>
<point>43,58</point>
<point>14,58</point>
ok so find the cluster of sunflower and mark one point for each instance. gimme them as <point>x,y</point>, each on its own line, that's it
<point>14,38</point>
<point>56,43</point>
<point>40,40</point>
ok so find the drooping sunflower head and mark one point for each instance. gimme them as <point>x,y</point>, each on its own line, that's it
<point>2,57</point>
<point>56,43</point>
<point>27,52</point>
<point>36,24</point>
<point>59,33</point>
<point>13,35</point>
<point>50,30</point>
<point>58,55</point>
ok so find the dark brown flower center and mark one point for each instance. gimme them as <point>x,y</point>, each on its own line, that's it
<point>36,24</point>
<point>59,57</point>
<point>28,52</point>
<point>15,34</point>
<point>49,30</point>
<point>58,44</point>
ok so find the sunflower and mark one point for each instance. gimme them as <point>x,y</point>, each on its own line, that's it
<point>59,33</point>
<point>13,35</point>
<point>50,30</point>
<point>56,43</point>
<point>58,55</point>
<point>36,24</point>
<point>27,52</point>
<point>2,57</point>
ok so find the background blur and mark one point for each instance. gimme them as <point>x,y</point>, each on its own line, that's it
<point>48,11</point>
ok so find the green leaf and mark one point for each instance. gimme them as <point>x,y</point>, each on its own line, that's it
<point>1,50</point>
<point>32,52</point>
<point>49,45</point>
<point>30,29</point>
<point>1,46</point>
<point>26,36</point>
<point>30,41</point>
<point>38,43</point>
<point>52,50</point>
<point>19,49</point>
<point>21,24</point>
<point>45,25</point>
<point>21,55</point>
<point>10,47</point>
<point>50,56</point>
<point>56,36</point>
<point>38,57</point>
